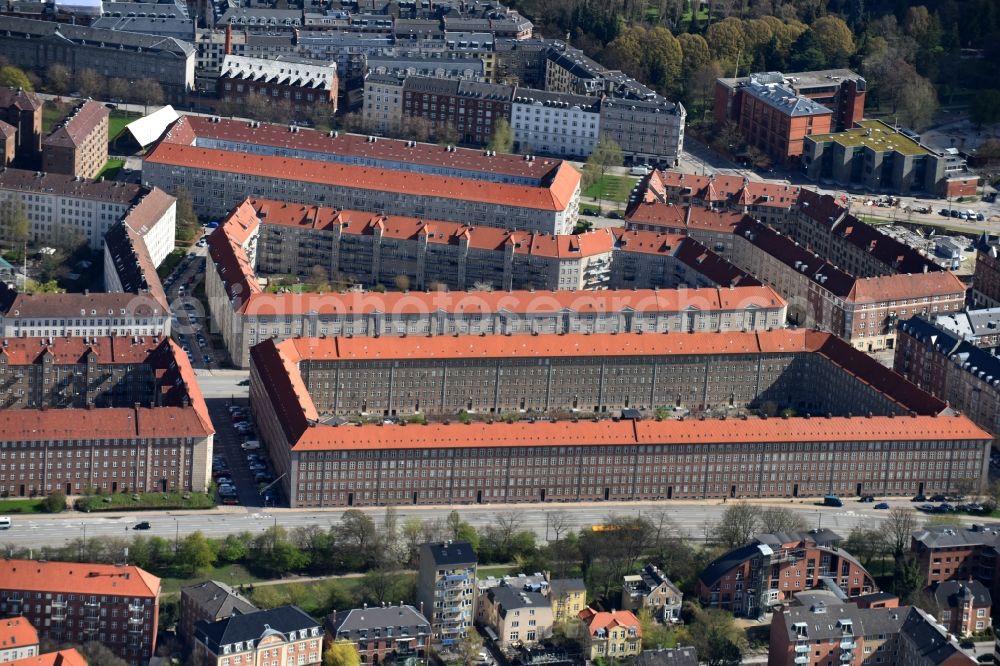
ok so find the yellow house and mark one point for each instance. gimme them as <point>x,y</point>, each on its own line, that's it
<point>568,596</point>
<point>612,635</point>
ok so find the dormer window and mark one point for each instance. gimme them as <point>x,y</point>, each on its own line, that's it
<point>239,647</point>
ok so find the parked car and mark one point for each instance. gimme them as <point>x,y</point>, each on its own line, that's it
<point>143,525</point>
<point>867,498</point>
<point>882,505</point>
<point>231,499</point>
<point>250,445</point>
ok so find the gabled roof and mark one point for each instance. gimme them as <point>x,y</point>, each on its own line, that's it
<point>79,125</point>
<point>67,657</point>
<point>956,593</point>
<point>217,599</point>
<point>603,621</point>
<point>254,626</point>
<point>449,553</point>
<point>77,578</point>
<point>17,632</point>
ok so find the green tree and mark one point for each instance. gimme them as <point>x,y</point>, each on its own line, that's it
<point>58,78</point>
<point>341,653</point>
<point>196,552</point>
<point>606,154</point>
<point>694,54</point>
<point>867,544</point>
<point>187,220</point>
<point>834,38</point>
<point>14,224</point>
<point>235,547</point>
<point>725,39</point>
<point>55,502</point>
<point>357,538</point>
<point>118,89</point>
<point>985,107</point>
<point>462,530</point>
<point>908,580</point>
<point>97,654</point>
<point>502,140</point>
<point>14,77</point>
<point>469,648</point>
<point>719,641</point>
<point>778,519</point>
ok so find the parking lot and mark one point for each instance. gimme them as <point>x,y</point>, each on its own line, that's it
<point>240,467</point>
<point>190,320</point>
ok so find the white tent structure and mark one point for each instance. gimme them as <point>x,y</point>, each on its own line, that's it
<point>149,129</point>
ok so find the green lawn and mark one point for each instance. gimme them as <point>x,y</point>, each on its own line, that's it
<point>16,506</point>
<point>52,114</point>
<point>230,574</point>
<point>118,121</point>
<point>170,263</point>
<point>496,571</point>
<point>128,501</point>
<point>611,188</point>
<point>111,169</point>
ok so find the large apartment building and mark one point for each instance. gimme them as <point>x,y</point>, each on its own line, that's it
<point>751,579</point>
<point>836,272</point>
<point>735,380</point>
<point>121,414</point>
<point>222,162</point>
<point>818,629</point>
<point>634,281</point>
<point>78,146</point>
<point>942,363</point>
<point>446,589</point>
<point>73,602</point>
<point>305,85</point>
<point>62,208</point>
<point>34,45</point>
<point>471,108</point>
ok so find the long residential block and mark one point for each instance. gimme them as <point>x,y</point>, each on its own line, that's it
<point>657,283</point>
<point>222,162</point>
<point>121,414</point>
<point>73,602</point>
<point>300,388</point>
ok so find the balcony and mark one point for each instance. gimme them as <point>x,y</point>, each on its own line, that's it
<point>846,657</point>
<point>801,648</point>
<point>802,659</point>
<point>847,644</point>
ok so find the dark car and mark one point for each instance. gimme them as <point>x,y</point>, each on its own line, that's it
<point>944,507</point>
<point>929,508</point>
<point>939,498</point>
<point>868,498</point>
<point>144,525</point>
<point>919,498</point>
<point>882,505</point>
<point>954,213</point>
<point>243,382</point>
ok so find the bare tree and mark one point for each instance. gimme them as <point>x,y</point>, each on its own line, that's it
<point>898,528</point>
<point>738,525</point>
<point>777,519</point>
<point>557,522</point>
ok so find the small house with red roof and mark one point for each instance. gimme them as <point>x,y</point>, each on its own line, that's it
<point>614,634</point>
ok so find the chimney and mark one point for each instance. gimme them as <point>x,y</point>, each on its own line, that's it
<point>229,39</point>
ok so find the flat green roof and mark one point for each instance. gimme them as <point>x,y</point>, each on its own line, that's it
<point>883,139</point>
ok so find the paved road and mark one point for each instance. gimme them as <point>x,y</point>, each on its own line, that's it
<point>691,518</point>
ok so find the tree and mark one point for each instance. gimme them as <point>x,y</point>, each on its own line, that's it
<point>606,154</point>
<point>357,537</point>
<point>908,580</point>
<point>187,220</point>
<point>719,641</point>
<point>319,278</point>
<point>341,653</point>
<point>469,648</point>
<point>740,522</point>
<point>196,552</point>
<point>235,547</point>
<point>118,89</point>
<point>97,654</point>
<point>89,83</point>
<point>898,529</point>
<point>833,38</point>
<point>557,522</point>
<point>725,40</point>
<point>502,140</point>
<point>985,107</point>
<point>867,544</point>
<point>778,519</point>
<point>412,538</point>
<point>14,225</point>
<point>149,92</point>
<point>694,54</point>
<point>14,77</point>
<point>58,78</point>
<point>918,103</point>
<point>54,502</point>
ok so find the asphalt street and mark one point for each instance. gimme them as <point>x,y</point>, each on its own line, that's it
<point>691,519</point>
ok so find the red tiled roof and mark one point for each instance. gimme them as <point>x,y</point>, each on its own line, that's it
<point>67,657</point>
<point>537,302</point>
<point>16,632</point>
<point>625,432</point>
<point>68,351</point>
<point>77,578</point>
<point>34,425</point>
<point>734,188</point>
<point>7,130</point>
<point>554,197</point>
<point>597,620</point>
<point>683,217</point>
<point>906,286</point>
<point>189,128</point>
<point>75,129</point>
